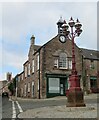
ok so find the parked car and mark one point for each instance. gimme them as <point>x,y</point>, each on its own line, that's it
<point>5,94</point>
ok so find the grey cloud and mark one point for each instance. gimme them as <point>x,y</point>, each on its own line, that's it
<point>23,19</point>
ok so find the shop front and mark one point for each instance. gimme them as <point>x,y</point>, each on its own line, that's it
<point>56,85</point>
<point>93,84</point>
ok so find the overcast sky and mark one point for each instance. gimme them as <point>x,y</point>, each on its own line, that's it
<point>20,20</point>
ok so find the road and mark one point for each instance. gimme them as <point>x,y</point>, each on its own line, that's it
<point>11,109</point>
<point>37,104</point>
<point>6,108</point>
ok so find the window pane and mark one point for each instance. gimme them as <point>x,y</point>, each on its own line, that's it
<point>25,71</point>
<point>28,87</point>
<point>29,69</point>
<point>25,90</point>
<point>37,62</point>
<point>54,85</point>
<point>56,63</point>
<point>32,66</point>
<point>63,63</point>
<point>70,64</point>
<point>32,88</point>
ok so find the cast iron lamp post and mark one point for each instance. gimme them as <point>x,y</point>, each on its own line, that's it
<point>75,95</point>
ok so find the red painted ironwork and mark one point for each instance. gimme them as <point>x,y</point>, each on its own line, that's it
<point>75,94</point>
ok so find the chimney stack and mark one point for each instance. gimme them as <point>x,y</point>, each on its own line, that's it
<point>9,76</point>
<point>32,40</point>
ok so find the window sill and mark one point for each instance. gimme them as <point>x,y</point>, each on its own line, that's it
<point>62,68</point>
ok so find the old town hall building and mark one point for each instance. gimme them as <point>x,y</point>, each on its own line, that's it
<point>47,70</point>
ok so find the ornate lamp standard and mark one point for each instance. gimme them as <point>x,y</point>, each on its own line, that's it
<point>75,94</point>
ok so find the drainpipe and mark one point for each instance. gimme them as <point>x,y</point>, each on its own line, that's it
<point>83,74</point>
<point>39,75</point>
<point>43,73</point>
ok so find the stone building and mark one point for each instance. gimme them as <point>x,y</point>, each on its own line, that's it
<point>1,85</point>
<point>19,84</point>
<point>47,70</point>
<point>4,83</point>
<point>90,71</point>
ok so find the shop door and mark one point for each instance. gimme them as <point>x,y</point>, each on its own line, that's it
<point>62,86</point>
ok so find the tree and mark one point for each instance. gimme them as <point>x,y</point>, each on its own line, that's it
<point>10,87</point>
<point>14,83</point>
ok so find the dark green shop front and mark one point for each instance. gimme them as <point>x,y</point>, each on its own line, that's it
<point>57,85</point>
<point>93,84</point>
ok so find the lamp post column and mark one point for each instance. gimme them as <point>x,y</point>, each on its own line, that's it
<point>73,54</point>
<point>70,31</point>
<point>75,95</point>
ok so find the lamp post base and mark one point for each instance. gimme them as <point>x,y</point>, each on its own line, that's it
<point>75,96</point>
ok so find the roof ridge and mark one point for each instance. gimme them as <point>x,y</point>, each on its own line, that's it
<point>90,49</point>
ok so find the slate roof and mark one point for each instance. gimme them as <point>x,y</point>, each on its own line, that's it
<point>90,54</point>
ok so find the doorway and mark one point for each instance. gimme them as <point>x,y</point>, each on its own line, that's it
<point>62,86</point>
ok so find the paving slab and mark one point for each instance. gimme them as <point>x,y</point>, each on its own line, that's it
<point>90,111</point>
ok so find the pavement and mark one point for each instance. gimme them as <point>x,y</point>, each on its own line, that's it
<point>90,111</point>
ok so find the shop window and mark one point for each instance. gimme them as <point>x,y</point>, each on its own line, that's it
<point>93,82</point>
<point>54,85</point>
